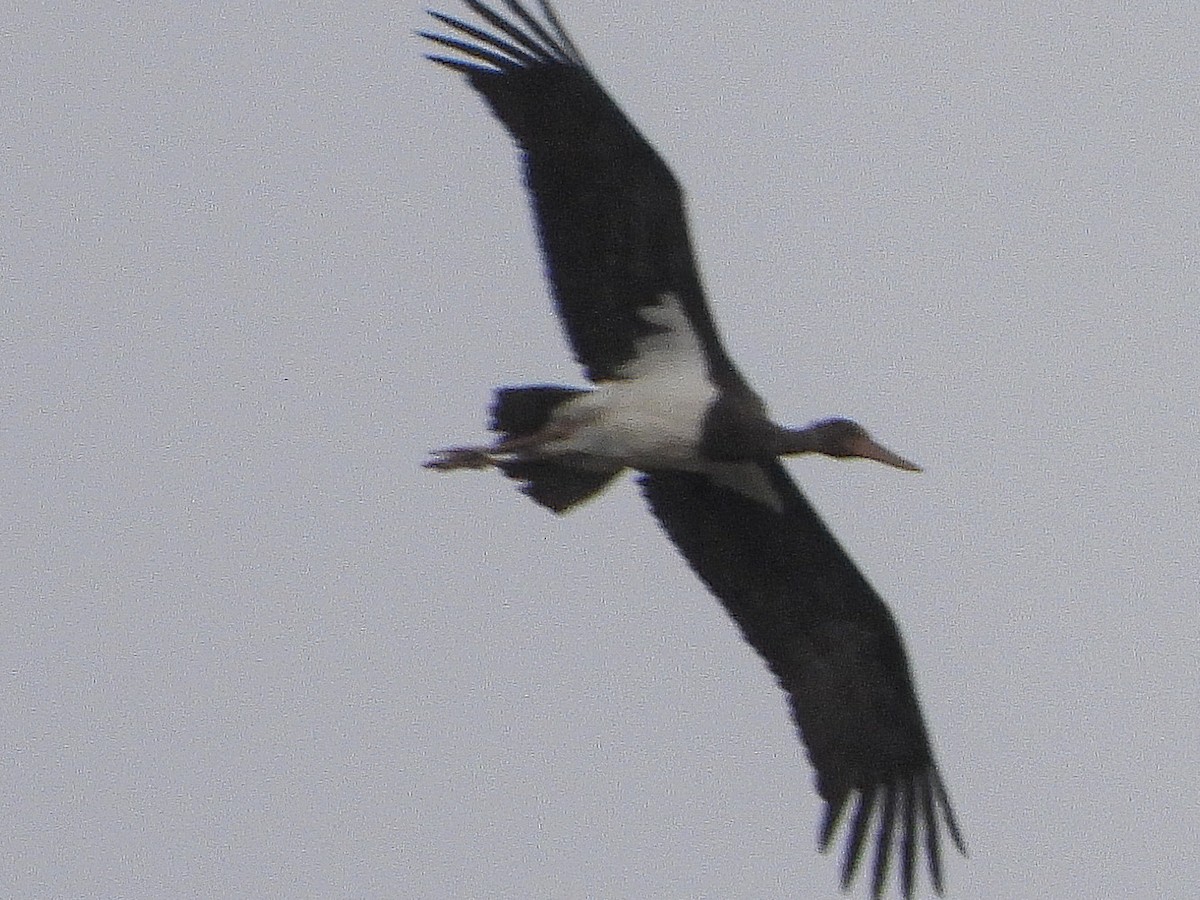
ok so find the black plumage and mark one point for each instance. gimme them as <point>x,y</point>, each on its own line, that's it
<point>609,212</point>
<point>611,222</point>
<point>833,646</point>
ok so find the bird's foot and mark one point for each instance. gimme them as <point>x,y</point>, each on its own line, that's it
<point>460,458</point>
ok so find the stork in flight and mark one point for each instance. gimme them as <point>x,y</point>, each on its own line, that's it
<point>668,402</point>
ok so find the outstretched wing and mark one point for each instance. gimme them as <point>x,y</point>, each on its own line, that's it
<point>609,212</point>
<point>833,645</point>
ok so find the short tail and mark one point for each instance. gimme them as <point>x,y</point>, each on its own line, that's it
<point>554,484</point>
<point>521,411</point>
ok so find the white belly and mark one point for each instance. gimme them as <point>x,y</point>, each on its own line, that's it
<point>647,423</point>
<point>653,415</point>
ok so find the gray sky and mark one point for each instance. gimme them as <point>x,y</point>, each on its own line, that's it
<point>255,262</point>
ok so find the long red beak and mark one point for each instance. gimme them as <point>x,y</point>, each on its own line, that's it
<point>867,448</point>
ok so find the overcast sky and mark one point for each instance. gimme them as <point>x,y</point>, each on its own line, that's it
<point>256,260</point>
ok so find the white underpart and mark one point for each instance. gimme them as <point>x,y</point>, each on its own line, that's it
<point>652,415</point>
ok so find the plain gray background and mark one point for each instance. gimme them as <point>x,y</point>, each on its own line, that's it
<point>257,259</point>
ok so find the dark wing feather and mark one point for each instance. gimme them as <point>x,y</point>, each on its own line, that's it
<point>609,213</point>
<point>833,645</point>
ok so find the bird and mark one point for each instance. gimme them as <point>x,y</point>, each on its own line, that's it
<point>666,401</point>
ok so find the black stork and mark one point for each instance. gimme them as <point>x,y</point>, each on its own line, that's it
<point>669,403</point>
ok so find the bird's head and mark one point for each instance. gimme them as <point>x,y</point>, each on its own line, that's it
<point>845,439</point>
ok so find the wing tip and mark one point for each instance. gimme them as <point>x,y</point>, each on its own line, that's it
<point>508,46</point>
<point>901,810</point>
